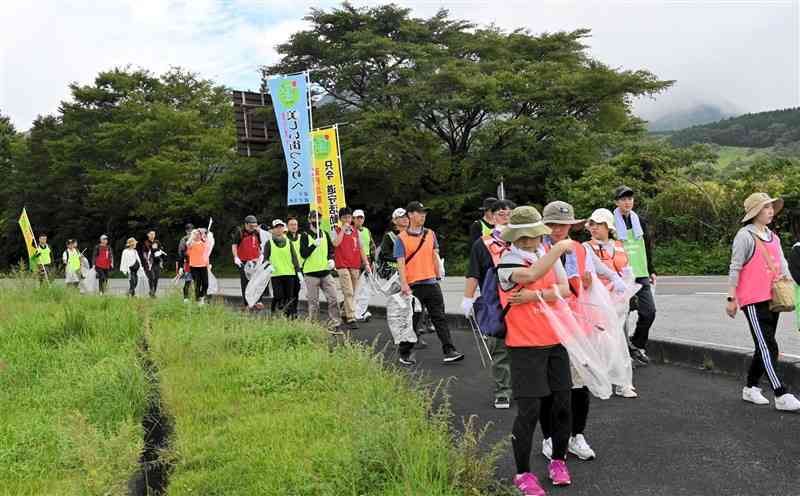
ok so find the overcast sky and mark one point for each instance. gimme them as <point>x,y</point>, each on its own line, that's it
<point>744,55</point>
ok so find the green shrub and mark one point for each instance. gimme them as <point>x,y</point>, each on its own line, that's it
<point>690,258</point>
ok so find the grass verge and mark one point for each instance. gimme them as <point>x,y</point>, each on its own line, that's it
<point>266,407</point>
<point>72,391</point>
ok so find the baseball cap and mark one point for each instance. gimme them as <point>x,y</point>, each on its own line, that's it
<point>398,212</point>
<point>103,236</point>
<point>488,204</point>
<point>416,206</point>
<point>622,191</point>
<point>278,222</point>
<point>358,213</point>
<point>250,219</point>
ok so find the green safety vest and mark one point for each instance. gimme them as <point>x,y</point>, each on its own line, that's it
<point>637,255</point>
<point>296,245</point>
<point>73,261</point>
<point>318,260</point>
<point>485,230</point>
<point>41,258</point>
<point>366,240</point>
<point>281,258</point>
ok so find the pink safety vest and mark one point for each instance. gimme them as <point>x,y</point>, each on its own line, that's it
<point>755,279</point>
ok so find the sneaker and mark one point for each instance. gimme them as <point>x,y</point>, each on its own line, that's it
<point>201,301</point>
<point>580,448</point>
<point>186,300</point>
<point>365,318</point>
<point>502,403</point>
<point>528,485</point>
<point>559,473</point>
<point>431,328</point>
<point>787,403</point>
<point>421,344</point>
<point>754,395</point>
<point>639,355</point>
<point>408,359</point>
<point>452,356</point>
<point>259,306</point>
<point>625,391</point>
<point>547,448</point>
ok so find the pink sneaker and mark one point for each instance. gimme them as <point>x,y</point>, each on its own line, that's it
<point>529,485</point>
<point>559,473</point>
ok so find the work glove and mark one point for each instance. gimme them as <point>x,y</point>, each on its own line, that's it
<point>466,306</point>
<point>331,265</point>
<point>237,261</point>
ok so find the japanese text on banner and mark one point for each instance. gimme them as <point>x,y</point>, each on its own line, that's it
<point>329,185</point>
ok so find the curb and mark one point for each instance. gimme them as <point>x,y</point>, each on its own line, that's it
<point>725,360</point>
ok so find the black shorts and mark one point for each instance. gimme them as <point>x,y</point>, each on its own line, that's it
<point>536,372</point>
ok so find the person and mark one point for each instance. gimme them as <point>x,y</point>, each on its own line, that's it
<point>349,261</point>
<point>632,231</point>
<point>485,225</point>
<point>611,253</point>
<point>368,248</point>
<point>316,249</point>
<point>182,269</point>
<point>485,254</point>
<point>247,247</point>
<point>420,270</point>
<point>198,250</point>
<point>103,262</point>
<point>42,258</point>
<point>386,264</point>
<point>794,266</point>
<point>150,263</point>
<point>756,262</point>
<point>533,282</point>
<point>293,234</point>
<point>72,264</point>
<point>280,253</point>
<point>130,264</point>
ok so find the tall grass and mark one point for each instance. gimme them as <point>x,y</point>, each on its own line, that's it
<point>72,393</point>
<point>268,407</point>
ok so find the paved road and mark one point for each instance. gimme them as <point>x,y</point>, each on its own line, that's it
<point>690,309</point>
<point>688,434</point>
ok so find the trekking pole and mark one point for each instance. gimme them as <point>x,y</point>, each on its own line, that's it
<point>479,339</point>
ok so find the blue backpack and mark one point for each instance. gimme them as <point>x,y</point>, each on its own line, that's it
<point>489,313</point>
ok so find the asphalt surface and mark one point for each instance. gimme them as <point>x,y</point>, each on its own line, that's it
<point>688,433</point>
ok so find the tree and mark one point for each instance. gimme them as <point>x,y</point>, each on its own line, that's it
<point>440,108</point>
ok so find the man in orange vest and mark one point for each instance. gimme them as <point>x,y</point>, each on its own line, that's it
<point>485,254</point>
<point>420,269</point>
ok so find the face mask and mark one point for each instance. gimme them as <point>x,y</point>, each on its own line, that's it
<point>525,255</point>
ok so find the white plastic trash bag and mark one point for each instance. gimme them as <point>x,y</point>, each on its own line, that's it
<point>213,285</point>
<point>143,285</point>
<point>400,318</point>
<point>258,283</point>
<point>363,294</point>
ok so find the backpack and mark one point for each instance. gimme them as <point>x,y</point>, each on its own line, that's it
<point>489,313</point>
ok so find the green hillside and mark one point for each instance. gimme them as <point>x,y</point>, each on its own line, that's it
<point>778,128</point>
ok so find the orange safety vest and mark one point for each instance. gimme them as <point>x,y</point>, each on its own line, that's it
<point>616,262</point>
<point>196,253</point>
<point>526,325</point>
<point>495,248</point>
<point>423,266</point>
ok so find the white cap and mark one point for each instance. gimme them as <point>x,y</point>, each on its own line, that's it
<point>278,222</point>
<point>359,213</point>
<point>604,216</point>
<point>398,212</point>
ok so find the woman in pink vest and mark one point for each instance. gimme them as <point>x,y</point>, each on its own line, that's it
<point>756,251</point>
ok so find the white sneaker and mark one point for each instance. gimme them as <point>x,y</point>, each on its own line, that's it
<point>625,391</point>
<point>547,448</point>
<point>201,301</point>
<point>787,403</point>
<point>186,300</point>
<point>580,448</point>
<point>753,395</point>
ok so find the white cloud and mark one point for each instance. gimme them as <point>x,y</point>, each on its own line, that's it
<point>739,51</point>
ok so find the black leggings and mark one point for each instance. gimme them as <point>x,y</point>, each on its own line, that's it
<point>284,294</point>
<point>763,324</point>
<point>133,280</point>
<point>525,424</point>
<point>200,278</point>
<point>580,412</point>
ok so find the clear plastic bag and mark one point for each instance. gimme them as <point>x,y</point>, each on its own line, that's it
<point>400,318</point>
<point>142,285</point>
<point>213,285</point>
<point>88,284</point>
<point>258,283</point>
<point>363,294</point>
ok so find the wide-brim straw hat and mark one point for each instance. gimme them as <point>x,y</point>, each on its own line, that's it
<point>130,242</point>
<point>604,216</point>
<point>757,201</point>
<point>525,222</point>
<point>559,212</point>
